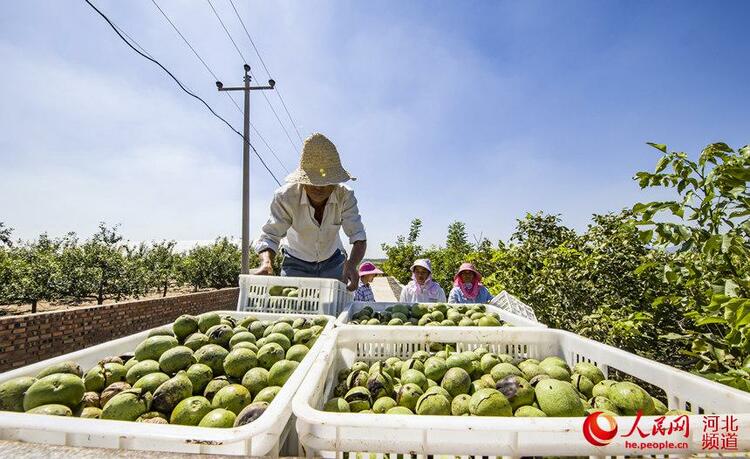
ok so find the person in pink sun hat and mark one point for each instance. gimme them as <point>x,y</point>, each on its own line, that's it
<point>467,286</point>
<point>367,272</point>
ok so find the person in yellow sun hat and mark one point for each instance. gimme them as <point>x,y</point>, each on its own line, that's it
<point>307,215</point>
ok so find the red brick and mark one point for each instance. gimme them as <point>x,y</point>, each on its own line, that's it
<point>30,338</point>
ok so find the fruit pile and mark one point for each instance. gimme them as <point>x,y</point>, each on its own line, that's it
<point>206,370</point>
<point>280,290</point>
<point>429,315</point>
<point>482,383</point>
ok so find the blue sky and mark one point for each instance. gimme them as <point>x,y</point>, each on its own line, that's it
<point>475,111</point>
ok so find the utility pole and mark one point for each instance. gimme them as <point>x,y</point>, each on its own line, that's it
<point>246,162</point>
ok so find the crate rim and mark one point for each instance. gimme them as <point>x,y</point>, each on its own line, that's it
<point>343,319</point>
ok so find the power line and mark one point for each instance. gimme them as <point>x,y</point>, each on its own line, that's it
<point>269,147</point>
<point>133,40</point>
<point>227,31</point>
<point>216,78</point>
<point>194,51</point>
<point>268,73</point>
<point>242,56</point>
<point>115,28</point>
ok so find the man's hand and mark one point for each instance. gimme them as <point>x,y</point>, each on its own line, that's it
<point>266,264</point>
<point>264,270</point>
<point>351,277</point>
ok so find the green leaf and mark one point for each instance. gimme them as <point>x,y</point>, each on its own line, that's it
<point>743,319</point>
<point>740,213</point>
<point>726,243</point>
<point>645,237</point>
<point>662,164</point>
<point>713,244</point>
<point>640,207</point>
<point>659,146</point>
<point>710,320</point>
<point>730,288</point>
<point>673,336</point>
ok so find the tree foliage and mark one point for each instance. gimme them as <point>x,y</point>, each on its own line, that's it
<point>105,267</point>
<point>675,289</point>
<point>213,266</point>
<point>5,235</point>
<point>708,228</point>
<point>402,254</point>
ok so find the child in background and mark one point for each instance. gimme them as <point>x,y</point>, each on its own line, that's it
<point>367,272</point>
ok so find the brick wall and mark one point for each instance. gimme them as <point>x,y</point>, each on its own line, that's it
<point>29,338</point>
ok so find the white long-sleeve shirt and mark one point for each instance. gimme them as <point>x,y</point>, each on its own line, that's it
<point>292,224</point>
<point>409,294</point>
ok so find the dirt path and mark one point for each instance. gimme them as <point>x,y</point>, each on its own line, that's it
<point>382,291</point>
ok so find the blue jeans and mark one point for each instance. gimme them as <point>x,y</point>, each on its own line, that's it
<point>332,268</point>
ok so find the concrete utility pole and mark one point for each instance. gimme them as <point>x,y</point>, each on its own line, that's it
<point>246,161</point>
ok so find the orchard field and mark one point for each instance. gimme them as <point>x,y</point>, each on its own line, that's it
<point>668,280</point>
<point>55,272</point>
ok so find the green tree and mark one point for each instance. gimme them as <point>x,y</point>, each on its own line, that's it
<point>6,275</point>
<point>32,272</point>
<point>162,262</point>
<point>102,257</point>
<point>709,228</point>
<point>402,254</point>
<point>213,266</point>
<point>457,240</point>
<point>137,279</point>
<point>415,228</point>
<point>74,281</point>
<point>5,235</point>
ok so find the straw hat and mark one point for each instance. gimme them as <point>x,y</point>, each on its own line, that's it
<point>320,164</point>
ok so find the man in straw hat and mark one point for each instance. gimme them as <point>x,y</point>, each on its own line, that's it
<point>306,216</point>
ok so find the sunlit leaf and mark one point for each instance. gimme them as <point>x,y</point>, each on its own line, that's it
<point>659,146</point>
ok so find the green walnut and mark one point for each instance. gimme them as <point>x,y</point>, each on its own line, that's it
<point>359,399</point>
<point>59,388</point>
<point>589,370</point>
<point>218,417</point>
<point>489,402</point>
<point>337,405</point>
<point>456,381</point>
<point>383,404</point>
<point>433,405</point>
<point>558,398</point>
<point>460,405</point>
<point>630,398</point>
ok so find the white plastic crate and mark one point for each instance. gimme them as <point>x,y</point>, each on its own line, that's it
<point>505,316</point>
<point>264,437</point>
<point>329,434</point>
<point>510,303</point>
<point>316,296</point>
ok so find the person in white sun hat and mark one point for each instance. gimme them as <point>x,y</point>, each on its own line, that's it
<point>421,288</point>
<point>306,216</point>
